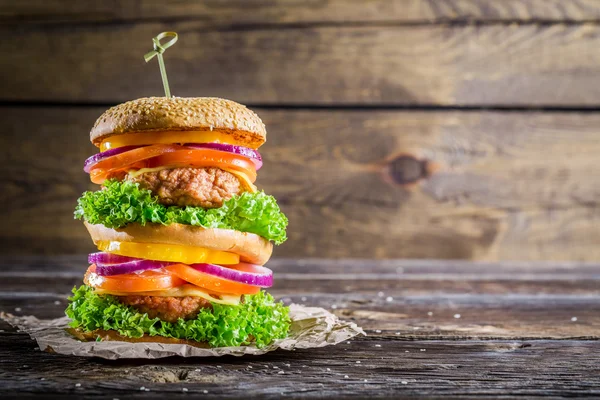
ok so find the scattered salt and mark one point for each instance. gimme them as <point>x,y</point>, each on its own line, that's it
<point>423,349</point>
<point>404,383</point>
<point>377,345</point>
<point>346,376</point>
<point>184,389</point>
<point>380,294</point>
<point>205,391</point>
<point>389,298</point>
<point>366,380</point>
<point>430,313</point>
<point>574,319</point>
<point>358,362</point>
<point>456,316</point>
<point>334,306</point>
<point>275,367</point>
<point>18,309</point>
<point>328,369</point>
<point>303,298</point>
<point>57,302</point>
<point>250,366</point>
<point>281,372</point>
<point>78,385</point>
<point>378,331</point>
<point>142,388</point>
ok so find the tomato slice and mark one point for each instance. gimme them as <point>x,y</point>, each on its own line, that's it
<point>169,252</point>
<point>135,158</point>
<point>210,282</point>
<point>137,282</point>
<point>206,158</point>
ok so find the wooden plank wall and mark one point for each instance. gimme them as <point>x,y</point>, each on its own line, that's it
<point>397,128</point>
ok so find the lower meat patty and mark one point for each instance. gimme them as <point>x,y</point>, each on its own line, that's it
<point>168,309</point>
<point>199,187</point>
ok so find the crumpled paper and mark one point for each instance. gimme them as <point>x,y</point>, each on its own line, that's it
<point>311,327</point>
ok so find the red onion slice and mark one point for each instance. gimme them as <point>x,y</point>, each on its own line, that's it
<point>96,158</point>
<point>111,264</point>
<point>249,274</point>
<point>230,148</point>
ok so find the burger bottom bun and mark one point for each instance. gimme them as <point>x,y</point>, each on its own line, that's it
<point>101,334</point>
<point>251,248</point>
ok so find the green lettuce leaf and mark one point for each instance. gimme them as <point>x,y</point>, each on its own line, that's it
<point>259,317</point>
<point>122,203</point>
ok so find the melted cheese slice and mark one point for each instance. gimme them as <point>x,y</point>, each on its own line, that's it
<point>181,291</point>
<point>240,175</point>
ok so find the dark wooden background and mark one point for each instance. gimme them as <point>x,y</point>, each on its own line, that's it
<point>491,107</point>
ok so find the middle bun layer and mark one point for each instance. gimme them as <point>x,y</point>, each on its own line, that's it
<point>251,248</point>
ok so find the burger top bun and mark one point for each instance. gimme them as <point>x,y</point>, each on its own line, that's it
<point>252,248</point>
<point>155,114</point>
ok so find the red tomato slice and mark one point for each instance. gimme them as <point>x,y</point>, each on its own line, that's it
<point>210,282</point>
<point>139,282</point>
<point>206,158</point>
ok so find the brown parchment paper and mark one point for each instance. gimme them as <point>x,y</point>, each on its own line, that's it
<point>311,327</point>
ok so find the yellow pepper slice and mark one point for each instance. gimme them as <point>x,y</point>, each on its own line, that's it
<point>165,137</point>
<point>169,252</point>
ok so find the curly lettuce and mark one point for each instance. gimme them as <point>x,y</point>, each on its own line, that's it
<point>258,320</point>
<point>122,203</point>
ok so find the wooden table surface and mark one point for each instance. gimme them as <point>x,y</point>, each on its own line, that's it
<point>434,328</point>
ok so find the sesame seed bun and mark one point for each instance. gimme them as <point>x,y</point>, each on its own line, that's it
<point>251,248</point>
<point>155,114</point>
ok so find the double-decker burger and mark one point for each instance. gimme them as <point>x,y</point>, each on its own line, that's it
<point>182,231</point>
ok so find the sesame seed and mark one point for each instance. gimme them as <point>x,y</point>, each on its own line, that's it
<point>303,298</point>
<point>218,366</point>
<point>398,333</point>
<point>78,385</point>
<point>377,345</point>
<point>406,351</point>
<point>115,398</point>
<point>42,379</point>
<point>457,316</point>
<point>358,362</point>
<point>205,391</point>
<point>378,331</point>
<point>250,366</point>
<point>346,376</point>
<point>328,369</point>
<point>423,349</point>
<point>275,367</point>
<point>366,380</point>
<point>389,298</point>
<point>281,372</point>
<point>574,319</point>
<point>430,313</point>
<point>380,294</point>
<point>142,388</point>
<point>198,369</point>
<point>404,383</point>
<point>184,389</point>
<point>147,390</point>
<point>288,365</point>
<point>57,302</point>
<point>334,306</point>
<point>18,309</point>
<point>416,328</point>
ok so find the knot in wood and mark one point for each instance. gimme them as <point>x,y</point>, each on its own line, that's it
<point>407,169</point>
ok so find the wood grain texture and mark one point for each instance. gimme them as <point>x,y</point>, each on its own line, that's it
<point>498,65</point>
<point>504,343</point>
<point>506,185</point>
<point>215,13</point>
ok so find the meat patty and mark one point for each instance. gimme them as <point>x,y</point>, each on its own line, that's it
<point>168,309</point>
<point>200,187</point>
